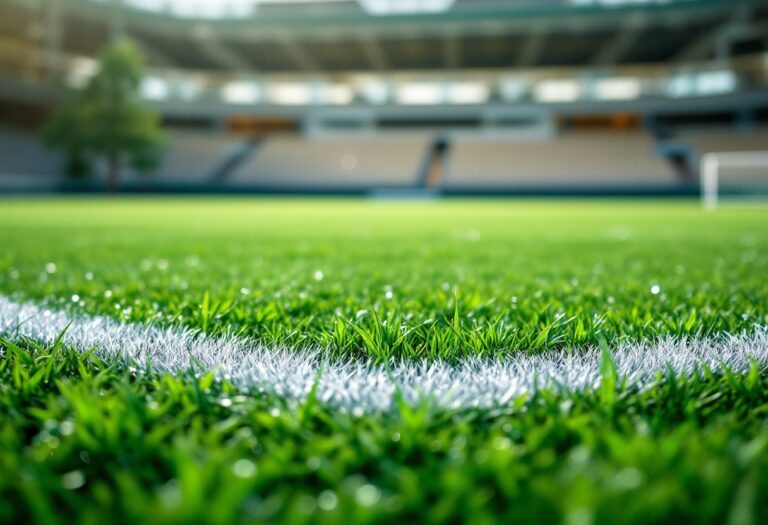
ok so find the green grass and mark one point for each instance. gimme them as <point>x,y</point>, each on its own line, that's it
<point>411,280</point>
<point>92,442</point>
<point>81,441</point>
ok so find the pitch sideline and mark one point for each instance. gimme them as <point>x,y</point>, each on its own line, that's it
<point>360,387</point>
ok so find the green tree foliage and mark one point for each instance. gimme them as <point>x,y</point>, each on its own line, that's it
<point>107,120</point>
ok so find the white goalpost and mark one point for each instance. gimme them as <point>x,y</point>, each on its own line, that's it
<point>712,165</point>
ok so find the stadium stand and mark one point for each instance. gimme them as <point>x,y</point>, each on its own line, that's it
<point>715,140</point>
<point>333,96</point>
<point>729,140</point>
<point>580,159</point>
<point>286,162</point>
<point>194,157</point>
<point>25,163</point>
<point>22,153</point>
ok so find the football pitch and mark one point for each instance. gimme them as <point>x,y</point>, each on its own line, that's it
<point>168,360</point>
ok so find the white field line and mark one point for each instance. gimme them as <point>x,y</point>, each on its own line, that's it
<point>362,387</point>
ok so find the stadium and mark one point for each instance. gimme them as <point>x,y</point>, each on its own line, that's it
<point>359,261</point>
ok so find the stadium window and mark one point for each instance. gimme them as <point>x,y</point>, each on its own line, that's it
<point>375,92</point>
<point>155,88</point>
<point>557,91</point>
<point>715,82</point>
<point>420,93</point>
<point>680,86</point>
<point>512,89</point>
<point>189,88</point>
<point>337,94</point>
<point>468,93</point>
<point>390,7</point>
<point>241,92</point>
<point>703,83</point>
<point>617,88</point>
<point>290,94</point>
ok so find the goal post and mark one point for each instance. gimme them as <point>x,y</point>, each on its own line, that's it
<point>712,165</point>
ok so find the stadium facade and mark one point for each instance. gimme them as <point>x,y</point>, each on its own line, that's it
<point>464,97</point>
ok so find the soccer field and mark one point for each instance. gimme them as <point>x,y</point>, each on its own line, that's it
<point>325,361</point>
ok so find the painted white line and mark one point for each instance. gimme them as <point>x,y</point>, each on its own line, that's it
<point>362,387</point>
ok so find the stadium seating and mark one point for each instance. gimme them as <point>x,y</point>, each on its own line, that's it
<point>724,139</point>
<point>193,157</point>
<point>608,159</point>
<point>25,163</point>
<point>23,154</point>
<point>288,162</point>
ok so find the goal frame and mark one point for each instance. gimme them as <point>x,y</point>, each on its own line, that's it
<point>710,171</point>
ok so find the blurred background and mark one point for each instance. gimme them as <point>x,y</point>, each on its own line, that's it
<point>401,97</point>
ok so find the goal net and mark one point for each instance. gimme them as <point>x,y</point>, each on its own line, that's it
<point>733,173</point>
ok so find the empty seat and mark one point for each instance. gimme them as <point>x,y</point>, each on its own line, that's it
<point>580,159</point>
<point>295,162</point>
<point>192,157</point>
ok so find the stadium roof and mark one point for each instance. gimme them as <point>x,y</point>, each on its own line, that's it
<point>306,36</point>
<point>226,9</point>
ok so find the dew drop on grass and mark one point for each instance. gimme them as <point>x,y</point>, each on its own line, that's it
<point>170,494</point>
<point>627,479</point>
<point>75,298</point>
<point>89,276</point>
<point>318,275</point>
<point>502,443</point>
<point>655,289</point>
<point>73,480</point>
<point>50,267</point>
<point>244,468</point>
<point>367,495</point>
<point>327,500</point>
<point>14,274</point>
<point>66,428</point>
<point>388,295</point>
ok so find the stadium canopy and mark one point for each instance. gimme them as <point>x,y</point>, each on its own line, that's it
<point>221,9</point>
<point>233,9</point>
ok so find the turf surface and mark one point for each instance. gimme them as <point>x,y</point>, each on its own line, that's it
<point>426,280</point>
<point>87,441</point>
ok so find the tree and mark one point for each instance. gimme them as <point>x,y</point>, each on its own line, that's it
<point>107,120</point>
